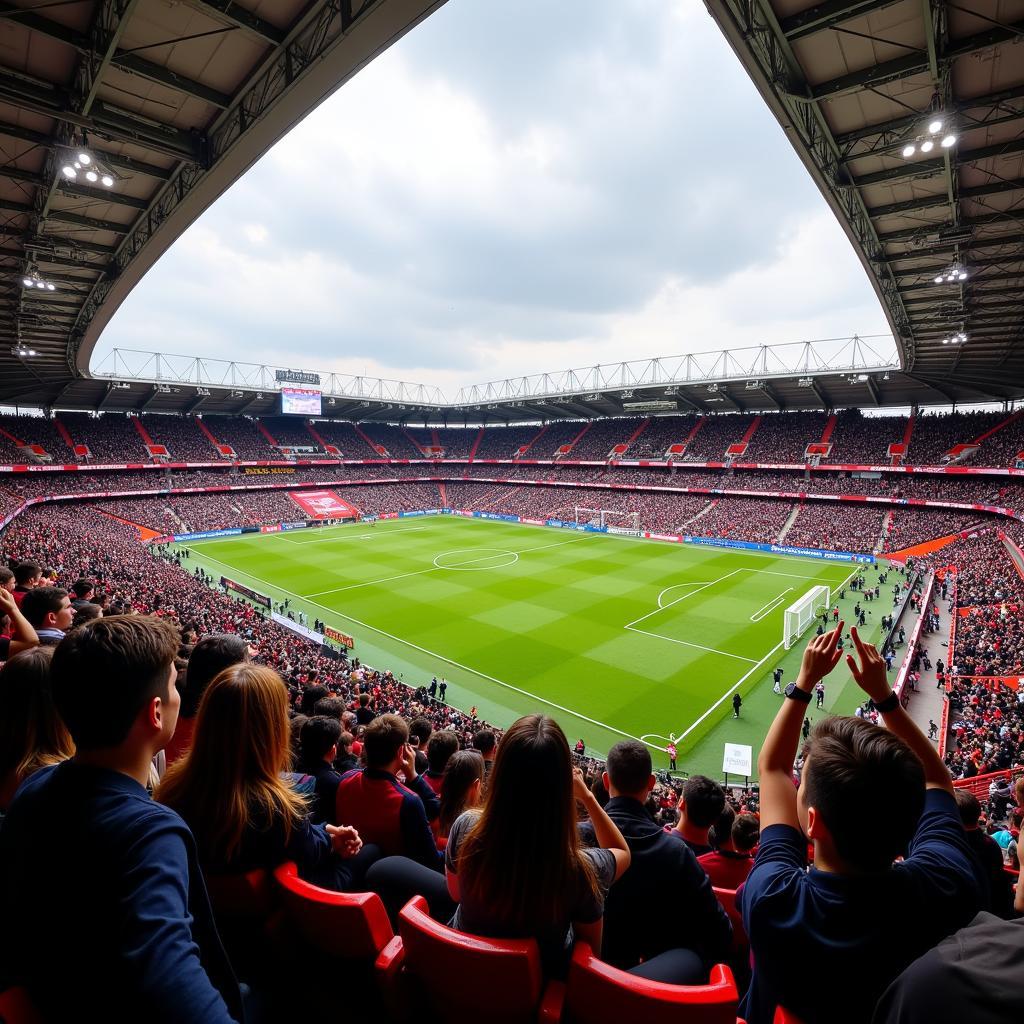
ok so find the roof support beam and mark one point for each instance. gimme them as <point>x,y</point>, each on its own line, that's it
<point>126,163</point>
<point>972,246</point>
<point>931,230</point>
<point>239,16</point>
<point>926,168</point>
<point>914,63</point>
<point>940,199</point>
<point>828,14</point>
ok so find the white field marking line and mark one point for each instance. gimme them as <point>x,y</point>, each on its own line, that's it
<point>676,586</point>
<point>435,568</point>
<point>686,643</point>
<point>739,682</point>
<point>661,607</point>
<point>789,575</point>
<point>334,538</point>
<point>424,650</point>
<point>767,609</point>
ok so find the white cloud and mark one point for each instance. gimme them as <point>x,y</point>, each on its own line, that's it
<point>459,212</point>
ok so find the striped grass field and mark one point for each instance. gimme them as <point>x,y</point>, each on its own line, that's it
<point>613,636</point>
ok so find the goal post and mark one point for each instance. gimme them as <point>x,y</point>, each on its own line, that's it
<point>606,517</point>
<point>802,613</point>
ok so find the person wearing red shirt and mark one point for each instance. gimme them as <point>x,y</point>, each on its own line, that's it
<point>734,839</point>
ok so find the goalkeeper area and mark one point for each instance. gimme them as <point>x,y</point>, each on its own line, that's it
<point>615,636</point>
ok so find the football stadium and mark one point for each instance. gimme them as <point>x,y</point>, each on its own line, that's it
<point>683,688</point>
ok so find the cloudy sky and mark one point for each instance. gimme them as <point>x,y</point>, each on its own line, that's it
<point>516,186</point>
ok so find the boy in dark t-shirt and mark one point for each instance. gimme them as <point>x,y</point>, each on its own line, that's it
<point>827,942</point>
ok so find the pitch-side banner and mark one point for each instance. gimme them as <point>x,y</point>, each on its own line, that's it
<point>323,505</point>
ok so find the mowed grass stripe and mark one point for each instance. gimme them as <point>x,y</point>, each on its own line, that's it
<point>553,622</point>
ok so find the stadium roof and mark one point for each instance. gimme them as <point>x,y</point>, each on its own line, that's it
<point>854,83</point>
<point>177,100</point>
<point>172,102</point>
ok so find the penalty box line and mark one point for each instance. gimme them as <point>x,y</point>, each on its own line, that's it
<point>432,654</point>
<point>739,682</point>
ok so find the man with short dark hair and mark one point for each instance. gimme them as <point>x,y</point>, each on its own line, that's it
<point>319,743</point>
<point>364,713</point>
<point>700,804</point>
<point>26,577</point>
<point>84,844</point>
<point>664,901</point>
<point>385,812</point>
<point>827,942</point>
<point>988,855</point>
<point>48,611</point>
<point>484,741</point>
<point>439,750</point>
<point>420,730</point>
<point>6,579</point>
<point>83,590</point>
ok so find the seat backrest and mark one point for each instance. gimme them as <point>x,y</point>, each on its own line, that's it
<point>461,973</point>
<point>249,895</point>
<point>783,1016</point>
<point>597,993</point>
<point>351,925</point>
<point>16,1007</point>
<point>727,897</point>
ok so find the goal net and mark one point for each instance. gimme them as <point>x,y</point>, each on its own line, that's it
<point>607,517</point>
<point>800,615</point>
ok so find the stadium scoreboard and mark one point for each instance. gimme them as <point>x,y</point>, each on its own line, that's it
<point>300,402</point>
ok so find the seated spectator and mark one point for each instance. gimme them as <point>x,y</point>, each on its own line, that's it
<point>345,761</point>
<point>32,734</point>
<point>393,816</point>
<point>972,975</point>
<point>734,838</point>
<point>988,855</point>
<point>83,590</point>
<point>517,868</point>
<point>17,635</point>
<point>124,864</point>
<point>462,790</point>
<point>364,713</point>
<point>867,795</point>
<point>85,613</point>
<point>484,741</point>
<point>662,912</point>
<point>439,750</point>
<point>320,737</point>
<point>420,730</point>
<point>230,788</point>
<point>48,611</point>
<point>26,577</point>
<point>700,805</point>
<point>311,696</point>
<point>206,661</point>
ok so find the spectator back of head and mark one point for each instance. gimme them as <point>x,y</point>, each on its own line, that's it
<point>969,807</point>
<point>868,788</point>
<point>704,799</point>
<point>311,695</point>
<point>485,742</point>
<point>383,738</point>
<point>208,659</point>
<point>629,769</point>
<point>440,749</point>
<point>320,734</point>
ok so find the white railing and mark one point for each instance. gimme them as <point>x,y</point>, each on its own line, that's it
<point>828,356</point>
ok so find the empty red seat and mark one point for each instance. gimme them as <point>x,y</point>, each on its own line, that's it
<point>461,976</point>
<point>350,925</point>
<point>597,993</point>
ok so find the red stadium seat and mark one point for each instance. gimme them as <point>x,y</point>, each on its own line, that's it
<point>597,993</point>
<point>461,976</point>
<point>350,925</point>
<point>727,897</point>
<point>245,907</point>
<point>16,1007</point>
<point>783,1016</point>
<point>250,895</point>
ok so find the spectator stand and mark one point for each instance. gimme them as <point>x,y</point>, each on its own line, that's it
<point>947,685</point>
<point>900,685</point>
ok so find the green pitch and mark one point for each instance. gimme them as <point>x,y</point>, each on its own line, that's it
<point>613,636</point>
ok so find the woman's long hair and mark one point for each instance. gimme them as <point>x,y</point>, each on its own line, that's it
<point>32,734</point>
<point>463,769</point>
<point>522,858</point>
<point>230,780</point>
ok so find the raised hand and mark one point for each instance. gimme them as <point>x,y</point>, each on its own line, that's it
<point>821,656</point>
<point>870,673</point>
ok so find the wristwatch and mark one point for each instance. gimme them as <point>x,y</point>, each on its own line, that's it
<point>891,703</point>
<point>795,693</point>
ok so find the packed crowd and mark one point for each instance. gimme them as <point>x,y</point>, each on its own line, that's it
<point>986,721</point>
<point>750,519</point>
<point>194,741</point>
<point>779,437</point>
<point>990,641</point>
<point>909,526</point>
<point>836,527</point>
